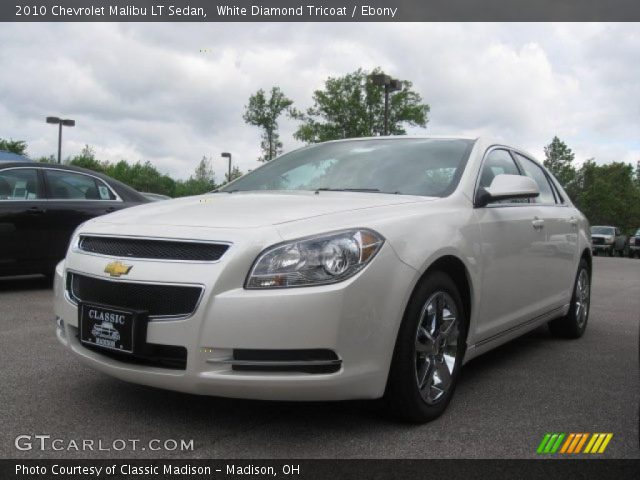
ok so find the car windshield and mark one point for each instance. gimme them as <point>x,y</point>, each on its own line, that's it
<point>603,230</point>
<point>429,167</point>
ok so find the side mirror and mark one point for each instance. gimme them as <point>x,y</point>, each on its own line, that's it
<point>504,187</point>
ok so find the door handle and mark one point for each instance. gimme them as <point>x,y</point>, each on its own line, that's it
<point>573,221</point>
<point>110,210</point>
<point>537,223</point>
<point>35,210</point>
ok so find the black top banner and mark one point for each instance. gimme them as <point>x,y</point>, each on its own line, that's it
<point>319,10</point>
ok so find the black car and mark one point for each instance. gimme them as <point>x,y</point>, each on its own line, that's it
<point>42,204</point>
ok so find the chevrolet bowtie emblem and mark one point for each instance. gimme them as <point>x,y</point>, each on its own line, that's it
<point>117,269</point>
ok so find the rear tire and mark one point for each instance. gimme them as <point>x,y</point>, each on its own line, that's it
<point>574,323</point>
<point>429,351</point>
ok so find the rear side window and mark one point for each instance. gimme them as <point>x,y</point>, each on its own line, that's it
<point>76,186</point>
<point>533,171</point>
<point>19,184</point>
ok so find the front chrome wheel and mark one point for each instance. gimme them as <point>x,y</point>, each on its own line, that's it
<point>581,296</point>
<point>436,346</point>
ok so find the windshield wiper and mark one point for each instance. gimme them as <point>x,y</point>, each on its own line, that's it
<point>326,189</point>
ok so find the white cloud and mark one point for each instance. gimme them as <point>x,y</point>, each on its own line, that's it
<point>171,93</point>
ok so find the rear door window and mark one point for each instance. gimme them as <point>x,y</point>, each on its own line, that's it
<point>536,173</point>
<point>76,186</point>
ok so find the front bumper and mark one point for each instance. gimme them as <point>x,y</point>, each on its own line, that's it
<point>357,319</point>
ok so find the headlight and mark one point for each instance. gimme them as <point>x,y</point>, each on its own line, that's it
<point>608,240</point>
<point>317,260</point>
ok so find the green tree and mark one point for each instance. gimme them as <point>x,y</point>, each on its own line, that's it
<point>352,106</point>
<point>608,195</point>
<point>49,159</point>
<point>202,180</point>
<point>15,146</point>
<point>87,159</point>
<point>559,160</point>
<point>263,112</point>
<point>204,172</point>
<point>143,177</point>
<point>235,173</point>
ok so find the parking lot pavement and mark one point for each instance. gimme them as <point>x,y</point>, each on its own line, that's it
<point>506,400</point>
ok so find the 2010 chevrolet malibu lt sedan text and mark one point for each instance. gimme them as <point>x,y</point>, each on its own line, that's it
<point>352,269</point>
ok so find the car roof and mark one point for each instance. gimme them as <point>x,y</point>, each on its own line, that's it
<point>6,156</point>
<point>404,137</point>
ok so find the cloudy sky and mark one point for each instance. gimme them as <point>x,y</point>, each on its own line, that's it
<point>171,93</point>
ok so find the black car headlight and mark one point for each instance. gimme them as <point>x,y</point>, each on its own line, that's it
<point>317,260</point>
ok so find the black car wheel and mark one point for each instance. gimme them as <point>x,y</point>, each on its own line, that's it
<point>429,351</point>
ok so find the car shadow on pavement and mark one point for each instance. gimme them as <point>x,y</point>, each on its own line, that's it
<point>25,282</point>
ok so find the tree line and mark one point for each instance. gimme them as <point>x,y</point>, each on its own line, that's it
<point>352,106</point>
<point>145,177</point>
<point>607,194</point>
<point>348,106</point>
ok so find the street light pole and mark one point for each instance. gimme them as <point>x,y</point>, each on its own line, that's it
<point>386,109</point>
<point>227,155</point>
<point>60,122</point>
<point>390,85</point>
<point>59,142</point>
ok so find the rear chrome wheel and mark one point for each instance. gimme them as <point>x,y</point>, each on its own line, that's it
<point>574,323</point>
<point>581,298</point>
<point>429,351</point>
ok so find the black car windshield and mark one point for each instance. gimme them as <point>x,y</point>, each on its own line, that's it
<point>603,230</point>
<point>429,167</point>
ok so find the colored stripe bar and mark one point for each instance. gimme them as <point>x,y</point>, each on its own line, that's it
<point>592,441</point>
<point>581,443</point>
<point>543,443</point>
<point>567,442</point>
<point>605,443</point>
<point>556,446</point>
<point>551,443</point>
<point>576,439</point>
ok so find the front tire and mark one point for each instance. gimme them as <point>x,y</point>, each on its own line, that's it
<point>574,323</point>
<point>429,351</point>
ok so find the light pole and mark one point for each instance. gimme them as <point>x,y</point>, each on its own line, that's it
<point>390,85</point>
<point>227,155</point>
<point>67,123</point>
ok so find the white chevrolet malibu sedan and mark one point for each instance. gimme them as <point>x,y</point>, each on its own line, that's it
<point>362,268</point>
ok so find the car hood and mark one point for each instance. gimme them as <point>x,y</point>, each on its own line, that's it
<point>252,209</point>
